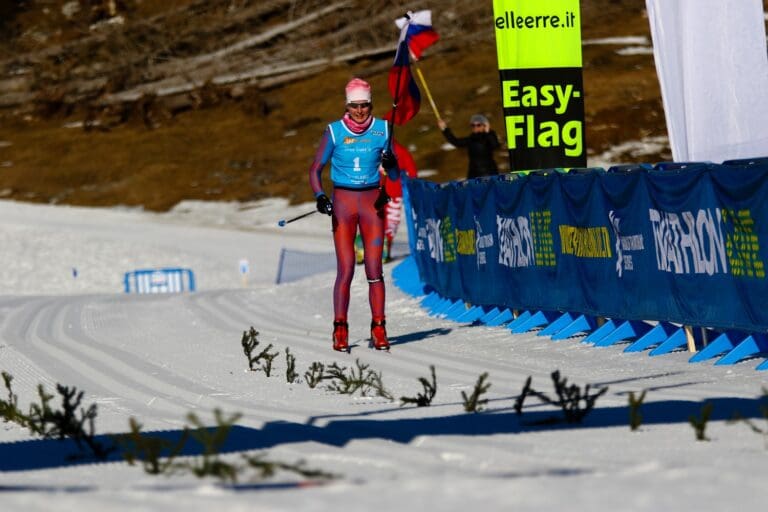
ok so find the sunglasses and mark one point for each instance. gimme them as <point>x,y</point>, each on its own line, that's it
<point>477,125</point>
<point>367,104</point>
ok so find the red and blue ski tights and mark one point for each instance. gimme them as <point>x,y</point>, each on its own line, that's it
<point>353,208</point>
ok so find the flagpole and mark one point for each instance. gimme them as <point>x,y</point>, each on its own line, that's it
<point>394,111</point>
<point>392,119</point>
<point>394,108</point>
<point>397,95</point>
<point>426,89</point>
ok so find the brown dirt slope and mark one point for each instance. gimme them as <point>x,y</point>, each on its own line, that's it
<point>65,139</point>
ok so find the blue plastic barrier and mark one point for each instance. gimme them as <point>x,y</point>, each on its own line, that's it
<point>159,280</point>
<point>676,243</point>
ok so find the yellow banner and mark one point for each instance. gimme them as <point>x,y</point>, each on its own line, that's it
<point>538,44</point>
<point>537,33</point>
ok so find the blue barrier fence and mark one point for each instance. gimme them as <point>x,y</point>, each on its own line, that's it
<point>159,280</point>
<point>634,253</point>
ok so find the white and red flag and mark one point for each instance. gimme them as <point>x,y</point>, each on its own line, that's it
<point>416,34</point>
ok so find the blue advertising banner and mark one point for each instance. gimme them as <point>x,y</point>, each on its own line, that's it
<point>680,243</point>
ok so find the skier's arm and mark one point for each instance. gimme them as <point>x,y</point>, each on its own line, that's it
<point>322,155</point>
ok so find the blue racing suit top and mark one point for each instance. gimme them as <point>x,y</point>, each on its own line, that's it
<point>354,157</point>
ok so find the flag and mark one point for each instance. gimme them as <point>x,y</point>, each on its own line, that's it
<point>419,33</point>
<point>406,98</point>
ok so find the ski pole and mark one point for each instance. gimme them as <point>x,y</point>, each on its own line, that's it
<point>283,222</point>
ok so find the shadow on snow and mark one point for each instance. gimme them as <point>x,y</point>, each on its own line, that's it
<point>50,453</point>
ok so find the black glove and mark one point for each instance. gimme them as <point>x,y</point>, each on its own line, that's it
<point>388,161</point>
<point>324,205</point>
<point>382,200</point>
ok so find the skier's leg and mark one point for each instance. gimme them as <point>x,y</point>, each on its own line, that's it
<point>372,229</point>
<point>345,219</point>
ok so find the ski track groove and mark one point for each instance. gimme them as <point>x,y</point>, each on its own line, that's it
<point>407,360</point>
<point>17,324</point>
<point>40,329</point>
<point>72,336</point>
<point>98,374</point>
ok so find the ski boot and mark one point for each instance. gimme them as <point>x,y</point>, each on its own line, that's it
<point>379,335</point>
<point>340,336</point>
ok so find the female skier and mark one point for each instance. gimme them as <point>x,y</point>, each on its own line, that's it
<point>356,147</point>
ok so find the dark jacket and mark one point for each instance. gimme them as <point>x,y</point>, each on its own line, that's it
<point>480,147</point>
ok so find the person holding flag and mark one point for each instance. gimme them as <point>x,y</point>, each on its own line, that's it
<point>356,147</point>
<point>480,144</point>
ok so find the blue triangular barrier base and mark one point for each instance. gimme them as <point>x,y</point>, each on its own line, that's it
<point>490,314</point>
<point>626,330</point>
<point>440,307</point>
<point>456,309</point>
<point>581,323</point>
<point>536,320</point>
<point>406,277</point>
<point>720,345</point>
<point>602,331</point>
<point>751,346</point>
<point>471,315</point>
<point>521,319</point>
<point>675,341</point>
<point>430,300</point>
<point>657,335</point>
<point>557,324</point>
<point>504,316</point>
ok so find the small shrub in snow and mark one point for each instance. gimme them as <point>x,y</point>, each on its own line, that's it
<point>423,399</point>
<point>290,367</point>
<point>267,358</point>
<point>249,343</point>
<point>268,468</point>
<point>764,410</point>
<point>314,375</point>
<point>574,402</point>
<point>9,409</point>
<point>361,378</point>
<point>69,422</point>
<point>159,456</point>
<point>635,416</point>
<point>473,402</point>
<point>699,423</point>
<point>156,455</point>
<point>209,463</point>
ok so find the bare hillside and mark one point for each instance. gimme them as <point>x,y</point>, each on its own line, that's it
<point>149,103</point>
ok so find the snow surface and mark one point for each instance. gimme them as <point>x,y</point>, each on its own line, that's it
<point>158,357</point>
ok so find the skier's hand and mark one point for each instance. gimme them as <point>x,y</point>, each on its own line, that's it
<point>388,160</point>
<point>324,205</point>
<point>389,163</point>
